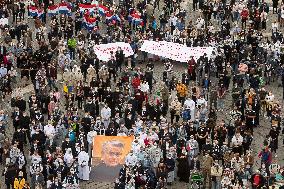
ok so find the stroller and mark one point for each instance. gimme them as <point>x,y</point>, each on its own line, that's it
<point>196,180</point>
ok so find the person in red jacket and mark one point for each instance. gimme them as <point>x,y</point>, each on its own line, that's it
<point>191,69</point>
<point>136,82</point>
<point>244,15</point>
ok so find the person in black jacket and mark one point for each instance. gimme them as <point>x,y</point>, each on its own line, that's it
<point>86,123</point>
<point>20,138</point>
<point>111,130</point>
<point>25,125</point>
<point>3,52</point>
<point>195,164</point>
<point>170,164</point>
<point>90,107</point>
<point>119,58</point>
<point>68,144</point>
<point>10,172</point>
<point>183,168</point>
<point>38,136</point>
<point>21,104</point>
<point>112,68</point>
<point>16,118</point>
<point>207,147</point>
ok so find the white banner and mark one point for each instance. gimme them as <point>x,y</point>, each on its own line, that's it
<point>175,51</point>
<point>103,51</point>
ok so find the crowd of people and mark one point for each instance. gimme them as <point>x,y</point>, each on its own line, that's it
<point>196,127</point>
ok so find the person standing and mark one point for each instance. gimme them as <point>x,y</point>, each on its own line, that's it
<point>194,4</point>
<point>244,16</point>
<point>216,174</point>
<point>72,47</point>
<point>112,68</point>
<point>202,136</point>
<point>51,75</point>
<point>119,56</point>
<point>250,118</point>
<point>221,96</point>
<point>173,22</point>
<point>170,164</point>
<point>83,168</point>
<point>183,171</point>
<point>37,180</point>
<point>263,17</point>
<point>175,109</point>
<point>161,172</point>
<point>189,104</point>
<point>19,182</point>
<point>181,91</point>
<point>274,133</point>
<point>105,115</point>
<point>237,142</point>
<point>10,172</point>
<point>274,6</point>
<point>206,168</point>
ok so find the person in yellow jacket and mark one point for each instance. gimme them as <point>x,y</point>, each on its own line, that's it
<point>181,91</point>
<point>19,182</point>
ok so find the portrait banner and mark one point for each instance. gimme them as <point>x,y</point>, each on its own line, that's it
<point>103,51</point>
<point>175,51</point>
<point>108,156</point>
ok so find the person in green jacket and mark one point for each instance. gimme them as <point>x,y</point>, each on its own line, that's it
<point>72,46</point>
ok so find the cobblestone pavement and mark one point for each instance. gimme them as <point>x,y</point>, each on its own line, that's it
<point>259,133</point>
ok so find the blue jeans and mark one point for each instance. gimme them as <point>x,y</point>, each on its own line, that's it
<point>216,184</point>
<point>51,83</point>
<point>72,53</point>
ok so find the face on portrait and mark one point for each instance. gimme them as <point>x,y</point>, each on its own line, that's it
<point>112,152</point>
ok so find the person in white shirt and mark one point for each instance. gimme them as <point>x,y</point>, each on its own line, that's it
<point>237,162</point>
<point>138,122</point>
<point>49,132</point>
<point>269,97</point>
<point>201,101</point>
<point>274,26</point>
<point>144,87</point>
<point>192,148</point>
<point>83,167</point>
<point>173,22</point>
<point>190,104</point>
<point>237,142</point>
<point>131,159</point>
<point>176,34</point>
<point>153,136</point>
<point>282,16</point>
<point>3,71</point>
<point>135,146</point>
<point>68,157</point>
<point>35,158</point>
<point>263,17</point>
<point>200,23</point>
<point>90,136</point>
<point>105,115</point>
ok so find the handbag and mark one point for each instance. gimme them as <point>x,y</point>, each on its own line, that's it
<point>217,172</point>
